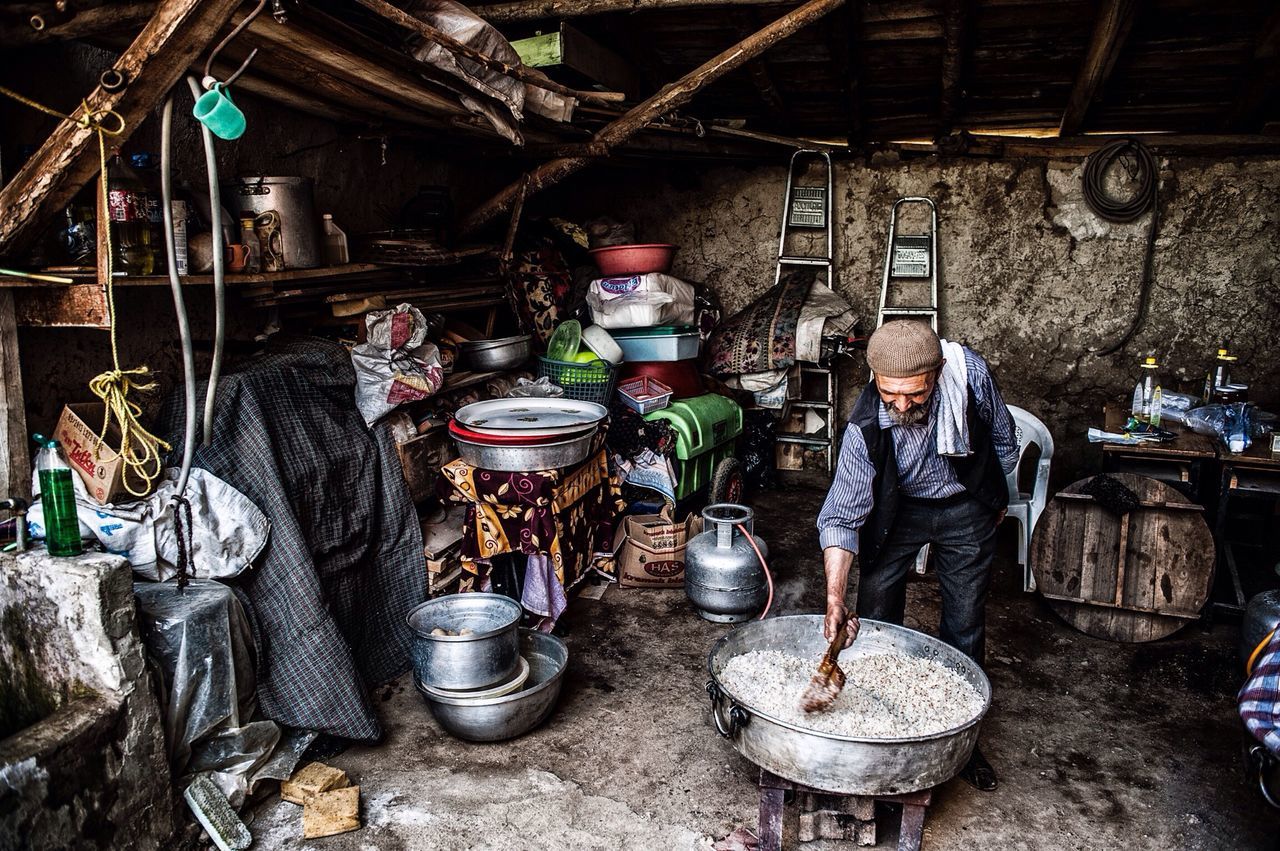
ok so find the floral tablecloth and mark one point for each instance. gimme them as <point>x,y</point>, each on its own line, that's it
<point>566,516</point>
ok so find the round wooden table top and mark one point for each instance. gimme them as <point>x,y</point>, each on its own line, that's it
<point>1134,577</point>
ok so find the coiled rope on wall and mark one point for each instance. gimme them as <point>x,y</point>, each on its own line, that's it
<point>1142,170</point>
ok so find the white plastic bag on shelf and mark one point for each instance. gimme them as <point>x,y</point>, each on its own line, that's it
<point>640,301</point>
<point>395,365</point>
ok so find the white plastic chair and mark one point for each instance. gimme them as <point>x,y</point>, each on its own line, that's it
<point>1025,508</point>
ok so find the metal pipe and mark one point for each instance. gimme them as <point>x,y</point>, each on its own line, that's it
<point>19,508</point>
<point>179,302</point>
<point>219,271</point>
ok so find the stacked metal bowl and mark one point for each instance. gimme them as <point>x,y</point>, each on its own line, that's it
<point>524,435</point>
<point>483,677</point>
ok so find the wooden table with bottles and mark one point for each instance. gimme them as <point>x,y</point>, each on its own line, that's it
<point>1182,462</point>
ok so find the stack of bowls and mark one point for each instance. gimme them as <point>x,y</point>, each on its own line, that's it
<point>498,681</point>
<point>525,435</point>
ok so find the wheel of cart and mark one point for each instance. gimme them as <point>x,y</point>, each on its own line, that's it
<point>728,482</point>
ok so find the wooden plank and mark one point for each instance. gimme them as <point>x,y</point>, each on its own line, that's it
<point>669,98</point>
<point>955,37</point>
<point>532,10</point>
<point>1122,558</point>
<point>1260,78</point>
<point>1172,613</point>
<point>68,159</point>
<point>76,306</point>
<point>1145,503</point>
<point>15,460</point>
<point>84,23</point>
<point>1115,20</point>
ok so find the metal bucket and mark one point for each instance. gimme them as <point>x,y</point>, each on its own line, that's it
<point>294,199</point>
<point>488,656</point>
<point>842,764</point>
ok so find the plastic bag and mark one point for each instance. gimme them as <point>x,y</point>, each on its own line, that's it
<point>640,301</point>
<point>542,388</point>
<point>396,364</point>
<point>1232,424</point>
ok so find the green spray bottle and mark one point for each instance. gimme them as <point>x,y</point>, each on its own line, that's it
<point>58,497</point>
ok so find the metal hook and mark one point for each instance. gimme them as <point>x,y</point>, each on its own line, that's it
<point>213,55</point>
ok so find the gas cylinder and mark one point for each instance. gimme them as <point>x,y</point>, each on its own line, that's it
<point>723,576</point>
<point>1261,615</point>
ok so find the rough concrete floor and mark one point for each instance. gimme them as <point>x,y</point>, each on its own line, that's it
<point>1098,745</point>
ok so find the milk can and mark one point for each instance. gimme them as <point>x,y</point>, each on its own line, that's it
<point>723,576</point>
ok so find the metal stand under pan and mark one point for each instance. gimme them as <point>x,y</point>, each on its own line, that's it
<point>827,815</point>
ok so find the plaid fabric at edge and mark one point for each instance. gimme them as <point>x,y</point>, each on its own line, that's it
<point>1260,698</point>
<point>344,563</point>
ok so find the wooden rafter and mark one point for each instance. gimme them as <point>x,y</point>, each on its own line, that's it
<point>955,35</point>
<point>669,98</point>
<point>1261,78</point>
<point>68,159</point>
<point>1115,20</point>
<point>93,21</point>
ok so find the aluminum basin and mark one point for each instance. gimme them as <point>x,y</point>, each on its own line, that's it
<point>498,718</point>
<point>487,657</point>
<point>842,764</point>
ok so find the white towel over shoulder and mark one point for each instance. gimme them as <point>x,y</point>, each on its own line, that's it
<point>953,403</point>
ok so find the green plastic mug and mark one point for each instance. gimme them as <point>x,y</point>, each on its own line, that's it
<point>215,110</point>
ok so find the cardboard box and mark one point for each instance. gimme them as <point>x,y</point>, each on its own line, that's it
<point>97,461</point>
<point>652,551</point>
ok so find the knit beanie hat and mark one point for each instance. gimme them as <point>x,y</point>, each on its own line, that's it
<point>903,348</point>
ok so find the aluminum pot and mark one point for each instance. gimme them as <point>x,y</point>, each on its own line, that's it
<point>293,198</point>
<point>499,718</point>
<point>494,355</point>
<point>846,765</point>
<point>526,459</point>
<point>490,655</point>
<point>723,577</point>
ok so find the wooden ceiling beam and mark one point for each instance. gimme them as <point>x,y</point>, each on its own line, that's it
<point>68,159</point>
<point>1261,78</point>
<point>1115,20</point>
<point>85,23</point>
<point>955,37</point>
<point>669,98</point>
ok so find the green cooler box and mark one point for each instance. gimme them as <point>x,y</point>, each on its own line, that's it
<point>706,429</point>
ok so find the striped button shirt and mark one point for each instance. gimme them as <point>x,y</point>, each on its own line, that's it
<point>922,472</point>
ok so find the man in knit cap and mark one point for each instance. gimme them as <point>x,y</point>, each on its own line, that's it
<point>894,491</point>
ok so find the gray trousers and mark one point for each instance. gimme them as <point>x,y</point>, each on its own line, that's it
<point>963,538</point>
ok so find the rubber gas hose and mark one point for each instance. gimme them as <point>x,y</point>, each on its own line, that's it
<point>219,272</point>
<point>179,303</point>
<point>1106,206</point>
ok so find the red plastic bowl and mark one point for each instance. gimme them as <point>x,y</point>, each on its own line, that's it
<point>619,260</point>
<point>516,439</point>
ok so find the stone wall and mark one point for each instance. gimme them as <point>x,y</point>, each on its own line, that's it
<point>1030,278</point>
<point>82,761</point>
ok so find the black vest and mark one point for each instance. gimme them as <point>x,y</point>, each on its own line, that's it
<point>980,473</point>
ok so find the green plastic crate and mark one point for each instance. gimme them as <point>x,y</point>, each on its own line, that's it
<point>706,430</point>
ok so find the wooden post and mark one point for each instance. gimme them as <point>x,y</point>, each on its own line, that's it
<point>68,159</point>
<point>670,97</point>
<point>15,460</point>
<point>1115,20</point>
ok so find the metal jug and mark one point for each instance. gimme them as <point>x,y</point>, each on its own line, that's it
<point>723,576</point>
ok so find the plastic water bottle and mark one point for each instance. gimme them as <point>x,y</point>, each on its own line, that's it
<point>58,497</point>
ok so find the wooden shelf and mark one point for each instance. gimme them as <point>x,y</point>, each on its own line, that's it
<point>348,270</point>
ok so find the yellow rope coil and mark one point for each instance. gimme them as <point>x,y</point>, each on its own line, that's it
<point>139,448</point>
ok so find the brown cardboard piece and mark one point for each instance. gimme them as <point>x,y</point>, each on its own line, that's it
<point>97,460</point>
<point>652,550</point>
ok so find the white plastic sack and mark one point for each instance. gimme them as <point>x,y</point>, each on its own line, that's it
<point>640,301</point>
<point>396,364</point>
<point>229,530</point>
